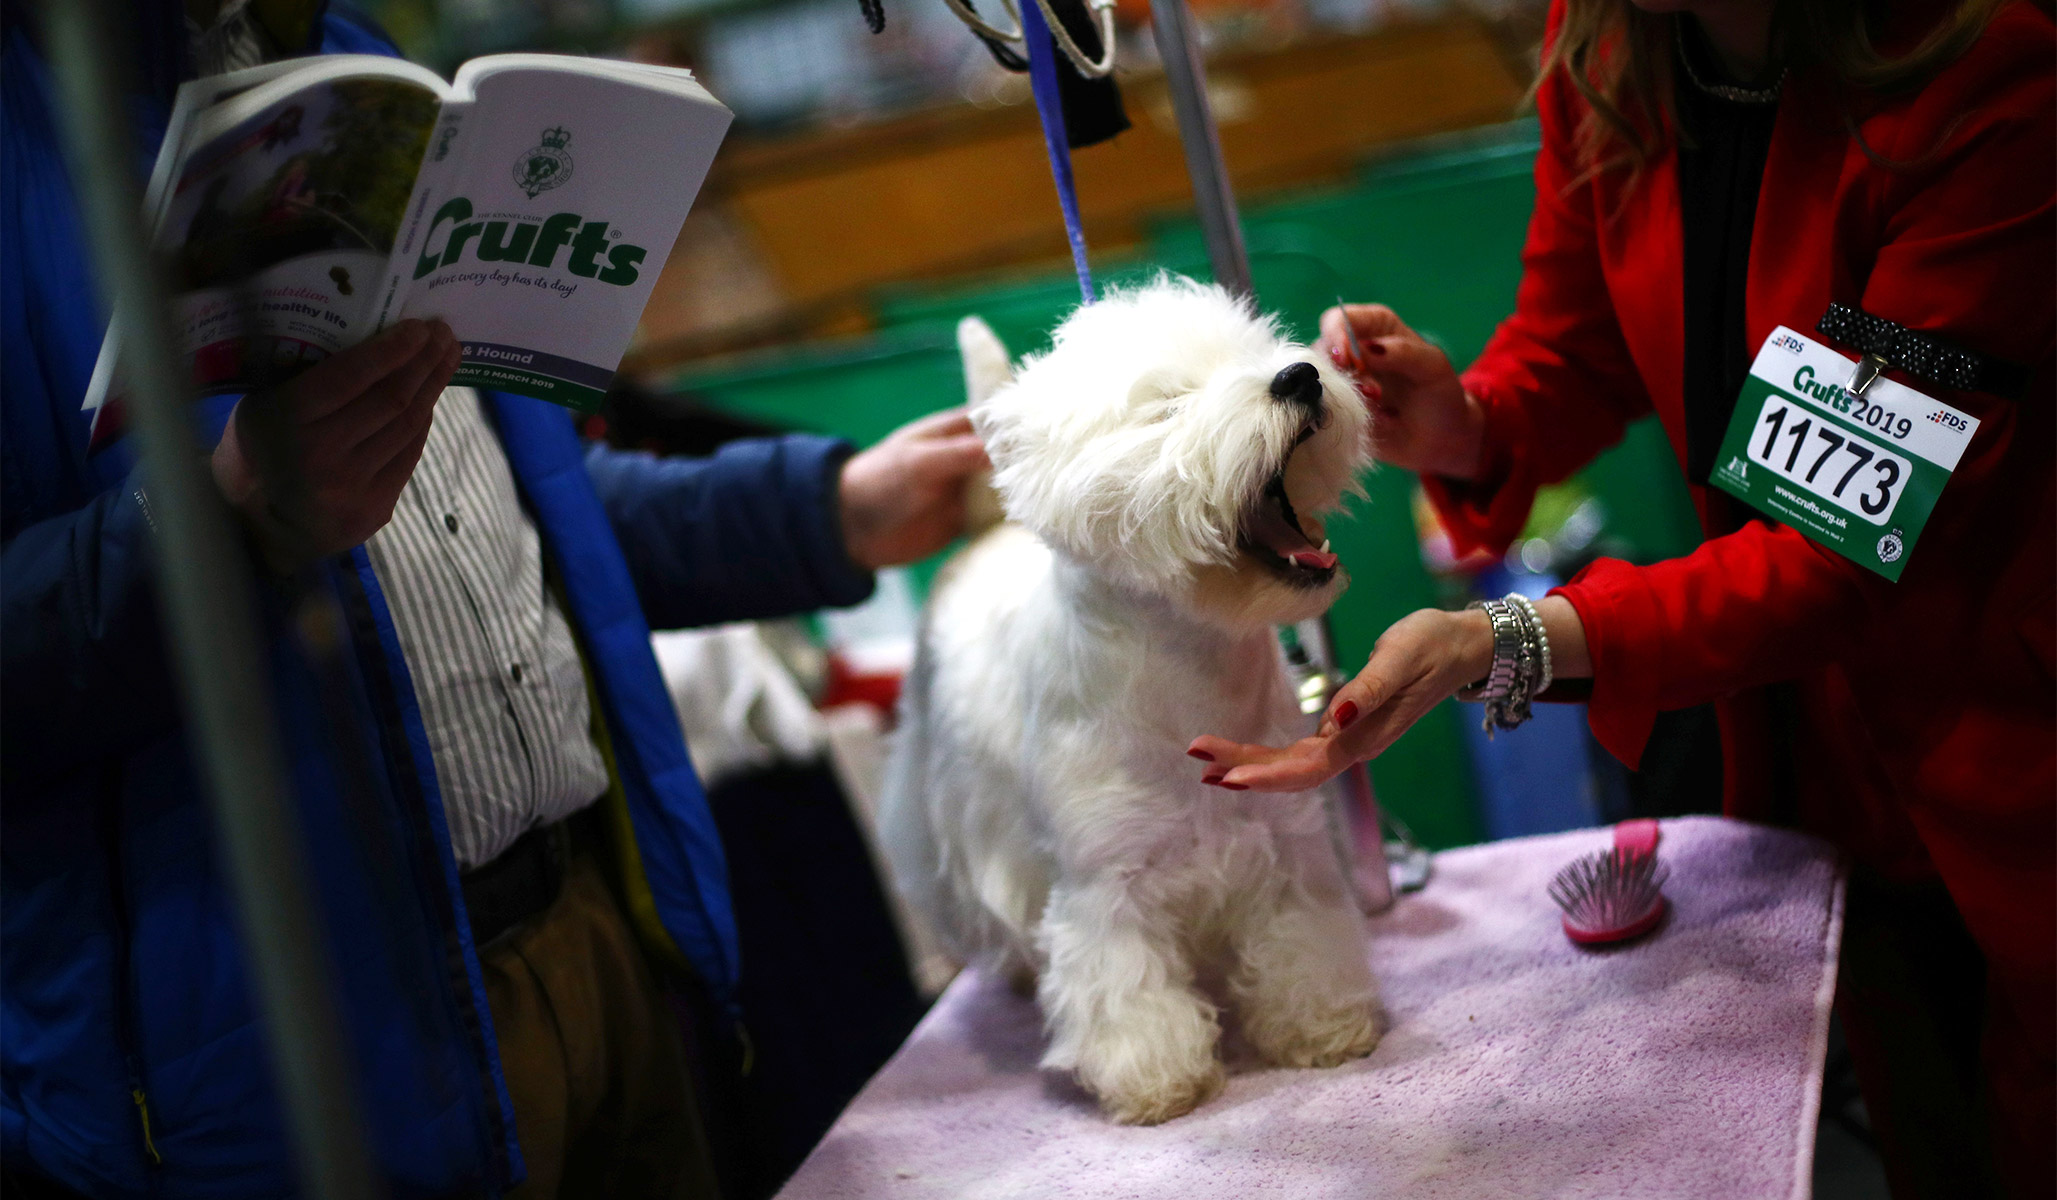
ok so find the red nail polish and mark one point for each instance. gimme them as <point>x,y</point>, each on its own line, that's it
<point>1215,780</point>
<point>1237,787</point>
<point>1346,712</point>
<point>1202,755</point>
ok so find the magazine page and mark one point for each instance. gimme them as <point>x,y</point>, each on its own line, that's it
<point>195,96</point>
<point>551,205</point>
<point>280,219</point>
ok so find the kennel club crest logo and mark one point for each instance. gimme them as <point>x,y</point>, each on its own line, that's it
<point>543,167</point>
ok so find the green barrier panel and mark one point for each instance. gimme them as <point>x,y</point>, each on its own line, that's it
<point>1289,278</point>
<point>1437,235</point>
<point>860,389</point>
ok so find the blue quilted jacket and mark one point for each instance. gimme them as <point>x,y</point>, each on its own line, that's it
<point>131,1061</point>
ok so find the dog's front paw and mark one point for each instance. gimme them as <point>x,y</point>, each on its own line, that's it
<point>1149,1073</point>
<point>1137,1101</point>
<point>1317,1040</point>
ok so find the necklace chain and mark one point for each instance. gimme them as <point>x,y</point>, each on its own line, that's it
<point>1724,91</point>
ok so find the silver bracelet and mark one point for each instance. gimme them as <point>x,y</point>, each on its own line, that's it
<point>1547,672</point>
<point>1513,710</point>
<point>1506,669</point>
<point>1522,667</point>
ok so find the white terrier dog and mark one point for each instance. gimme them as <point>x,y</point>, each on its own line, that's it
<point>1166,466</point>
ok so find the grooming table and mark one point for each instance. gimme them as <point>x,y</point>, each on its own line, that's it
<point>1684,1065</point>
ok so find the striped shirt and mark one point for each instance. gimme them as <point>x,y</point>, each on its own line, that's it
<point>497,674</point>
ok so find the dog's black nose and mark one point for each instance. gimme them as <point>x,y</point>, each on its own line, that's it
<point>1298,384</point>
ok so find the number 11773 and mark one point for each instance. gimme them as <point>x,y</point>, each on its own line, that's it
<point>1853,473</point>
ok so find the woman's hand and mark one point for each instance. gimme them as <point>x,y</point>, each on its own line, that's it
<point>1422,418</point>
<point>1425,658</point>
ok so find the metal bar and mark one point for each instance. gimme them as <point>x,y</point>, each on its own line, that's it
<point>1185,75</point>
<point>206,589</point>
<point>1357,824</point>
<point>1353,805</point>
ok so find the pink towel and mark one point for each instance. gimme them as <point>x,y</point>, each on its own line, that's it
<point>1685,1065</point>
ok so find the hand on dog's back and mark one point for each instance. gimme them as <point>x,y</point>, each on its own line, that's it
<point>903,499</point>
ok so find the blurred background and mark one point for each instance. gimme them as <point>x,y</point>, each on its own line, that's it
<point>878,187</point>
<point>875,189</point>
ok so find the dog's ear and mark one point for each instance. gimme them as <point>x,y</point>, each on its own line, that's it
<point>986,370</point>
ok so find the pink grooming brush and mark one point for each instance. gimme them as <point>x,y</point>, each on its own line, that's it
<point>1613,895</point>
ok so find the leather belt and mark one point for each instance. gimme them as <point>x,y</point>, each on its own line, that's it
<point>521,881</point>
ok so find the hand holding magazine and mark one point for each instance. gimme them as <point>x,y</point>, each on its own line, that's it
<point>305,205</point>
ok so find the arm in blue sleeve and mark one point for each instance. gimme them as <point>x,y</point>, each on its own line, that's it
<point>752,531</point>
<point>83,670</point>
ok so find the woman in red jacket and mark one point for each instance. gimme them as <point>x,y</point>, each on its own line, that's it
<point>1713,170</point>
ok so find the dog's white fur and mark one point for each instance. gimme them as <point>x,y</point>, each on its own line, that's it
<point>1039,806</point>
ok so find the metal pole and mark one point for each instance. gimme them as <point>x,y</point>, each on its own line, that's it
<point>1354,816</point>
<point>205,586</point>
<point>1185,75</point>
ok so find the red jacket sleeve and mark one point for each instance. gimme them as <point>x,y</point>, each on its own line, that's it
<point>1966,252</point>
<point>1556,380</point>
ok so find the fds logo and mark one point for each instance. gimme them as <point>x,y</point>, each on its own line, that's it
<point>1788,343</point>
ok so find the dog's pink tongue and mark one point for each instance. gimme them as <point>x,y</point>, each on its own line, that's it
<point>1283,538</point>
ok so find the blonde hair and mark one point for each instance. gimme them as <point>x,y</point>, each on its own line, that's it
<point>1619,58</point>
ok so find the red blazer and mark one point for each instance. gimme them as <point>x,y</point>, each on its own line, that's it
<point>1927,736</point>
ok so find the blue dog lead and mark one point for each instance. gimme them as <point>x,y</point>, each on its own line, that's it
<point>1050,107</point>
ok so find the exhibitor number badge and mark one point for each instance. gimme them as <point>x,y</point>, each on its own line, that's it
<point>1858,474</point>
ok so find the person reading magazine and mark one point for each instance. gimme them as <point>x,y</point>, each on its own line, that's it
<point>510,1020</point>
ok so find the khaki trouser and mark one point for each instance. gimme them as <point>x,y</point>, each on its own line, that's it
<point>593,1055</point>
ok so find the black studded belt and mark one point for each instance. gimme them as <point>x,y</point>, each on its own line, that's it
<point>1886,344</point>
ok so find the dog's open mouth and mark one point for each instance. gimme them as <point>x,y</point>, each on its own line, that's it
<point>1273,535</point>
